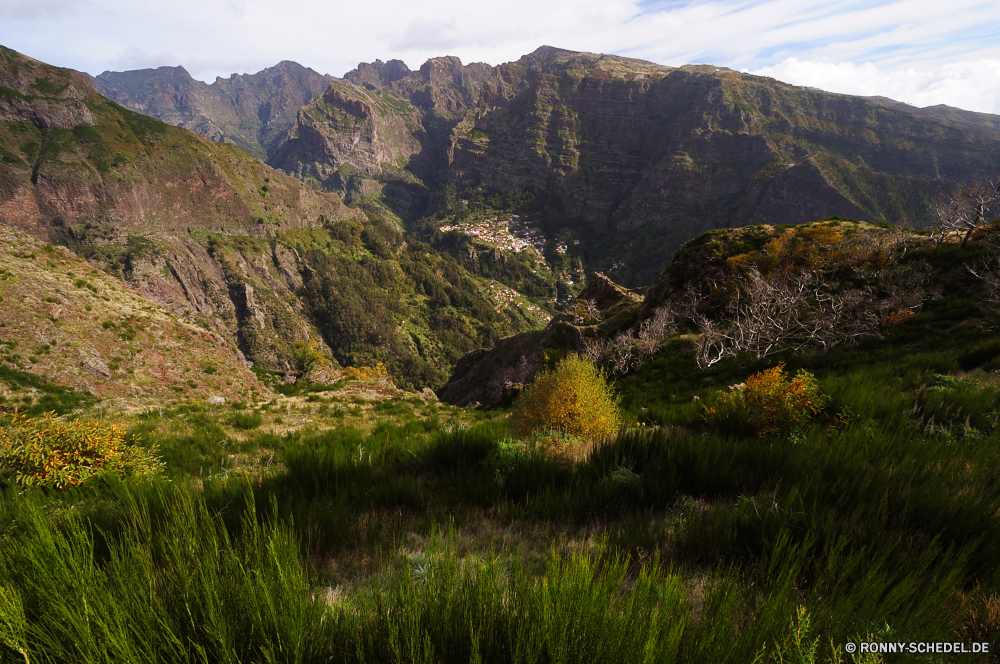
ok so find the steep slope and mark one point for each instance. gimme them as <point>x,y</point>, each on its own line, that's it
<point>78,327</point>
<point>252,111</point>
<point>221,239</point>
<point>633,158</point>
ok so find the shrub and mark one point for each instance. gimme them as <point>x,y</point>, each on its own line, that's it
<point>574,398</point>
<point>376,374</point>
<point>246,421</point>
<point>767,403</point>
<point>46,452</point>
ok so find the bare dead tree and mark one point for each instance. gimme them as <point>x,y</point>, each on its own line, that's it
<point>620,355</point>
<point>626,352</point>
<point>802,310</point>
<point>987,270</point>
<point>595,350</point>
<point>660,324</point>
<point>869,253</point>
<point>970,209</point>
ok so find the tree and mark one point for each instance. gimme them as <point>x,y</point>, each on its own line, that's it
<point>574,398</point>
<point>970,209</point>
<point>795,310</point>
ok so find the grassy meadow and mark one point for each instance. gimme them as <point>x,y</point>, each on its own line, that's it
<point>344,526</point>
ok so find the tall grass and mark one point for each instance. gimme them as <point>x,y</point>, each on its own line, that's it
<point>696,543</point>
<point>178,590</point>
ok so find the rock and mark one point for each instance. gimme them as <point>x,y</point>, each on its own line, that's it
<point>216,400</point>
<point>324,373</point>
<point>428,395</point>
<point>95,366</point>
<point>481,376</point>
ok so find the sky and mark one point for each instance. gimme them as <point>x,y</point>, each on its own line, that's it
<point>917,51</point>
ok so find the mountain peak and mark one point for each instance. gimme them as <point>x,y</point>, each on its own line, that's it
<point>378,73</point>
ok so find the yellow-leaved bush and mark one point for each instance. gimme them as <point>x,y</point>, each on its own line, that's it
<point>47,452</point>
<point>376,374</point>
<point>767,403</point>
<point>574,398</point>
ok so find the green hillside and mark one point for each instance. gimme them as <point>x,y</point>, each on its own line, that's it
<point>219,238</point>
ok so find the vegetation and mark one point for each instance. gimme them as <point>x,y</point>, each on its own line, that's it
<point>573,398</point>
<point>768,402</point>
<point>48,453</point>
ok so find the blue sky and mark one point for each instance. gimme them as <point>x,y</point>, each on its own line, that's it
<point>918,51</point>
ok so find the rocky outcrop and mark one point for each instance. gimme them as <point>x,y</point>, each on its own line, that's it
<point>43,96</point>
<point>105,339</point>
<point>350,126</point>
<point>378,73</point>
<point>483,377</point>
<point>275,270</point>
<point>634,157</point>
<point>494,376</point>
<point>638,158</point>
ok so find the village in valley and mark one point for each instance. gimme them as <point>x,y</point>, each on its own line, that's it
<point>507,235</point>
<point>516,235</point>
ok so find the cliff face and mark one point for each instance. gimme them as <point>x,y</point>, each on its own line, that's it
<point>631,157</point>
<point>384,130</point>
<point>637,158</point>
<point>254,111</point>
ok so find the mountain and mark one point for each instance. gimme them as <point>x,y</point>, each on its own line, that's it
<point>629,157</point>
<point>218,238</point>
<point>251,110</point>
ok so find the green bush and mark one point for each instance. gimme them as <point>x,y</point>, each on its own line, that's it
<point>246,421</point>
<point>574,398</point>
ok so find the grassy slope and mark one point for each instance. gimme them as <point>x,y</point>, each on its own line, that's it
<point>66,321</point>
<point>417,534</point>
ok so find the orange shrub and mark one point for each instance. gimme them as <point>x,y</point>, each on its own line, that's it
<point>767,403</point>
<point>573,398</point>
<point>47,452</point>
<point>896,316</point>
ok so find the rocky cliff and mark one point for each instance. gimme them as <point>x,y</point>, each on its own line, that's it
<point>253,111</point>
<point>635,158</point>
<point>631,158</point>
<point>74,325</point>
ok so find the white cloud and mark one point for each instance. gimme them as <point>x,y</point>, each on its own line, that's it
<point>970,84</point>
<point>19,10</point>
<point>219,37</point>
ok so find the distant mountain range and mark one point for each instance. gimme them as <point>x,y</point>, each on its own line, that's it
<point>211,234</point>
<point>253,111</point>
<point>629,157</point>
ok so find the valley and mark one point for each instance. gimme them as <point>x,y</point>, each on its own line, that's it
<point>573,358</point>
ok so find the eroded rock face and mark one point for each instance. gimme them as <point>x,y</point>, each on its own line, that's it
<point>253,111</point>
<point>640,158</point>
<point>183,219</point>
<point>102,338</point>
<point>637,158</point>
<point>482,376</point>
<point>350,126</point>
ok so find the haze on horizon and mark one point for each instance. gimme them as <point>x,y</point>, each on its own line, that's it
<point>915,51</point>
